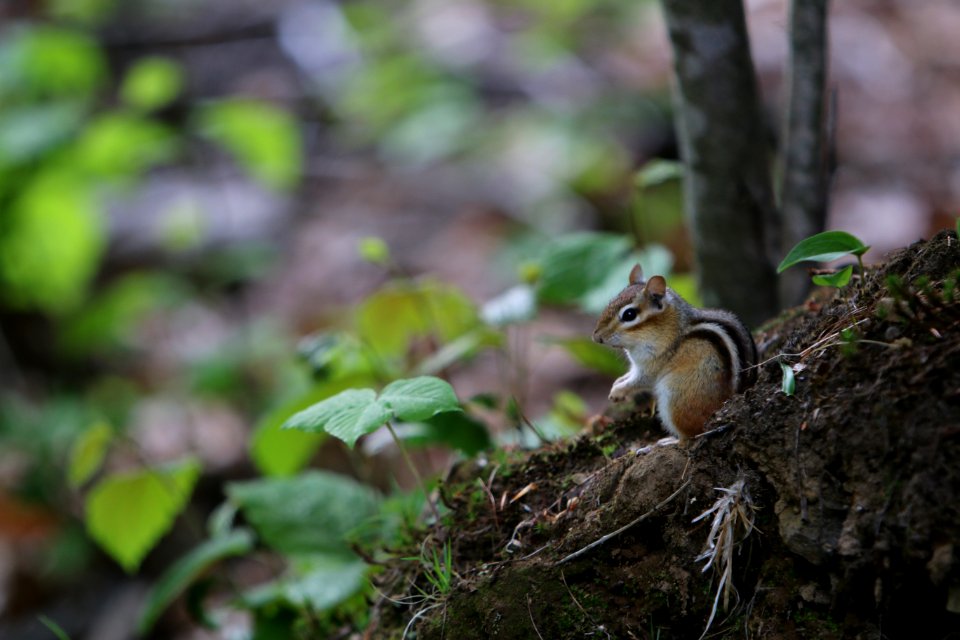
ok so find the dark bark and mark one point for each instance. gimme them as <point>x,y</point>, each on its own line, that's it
<point>728,193</point>
<point>805,172</point>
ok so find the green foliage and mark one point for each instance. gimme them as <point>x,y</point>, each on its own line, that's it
<point>53,243</point>
<point>823,247</point>
<point>187,569</point>
<point>838,279</point>
<point>151,83</point>
<point>88,453</point>
<point>127,513</point>
<point>400,314</point>
<point>311,513</point>
<point>573,265</point>
<point>54,628</point>
<point>657,172</point>
<point>48,61</point>
<point>455,429</point>
<point>592,355</point>
<point>789,382</point>
<point>264,139</point>
<point>357,412</point>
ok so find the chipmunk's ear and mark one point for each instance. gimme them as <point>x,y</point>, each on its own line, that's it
<point>656,290</point>
<point>636,274</point>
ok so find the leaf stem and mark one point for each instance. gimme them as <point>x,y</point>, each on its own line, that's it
<point>413,470</point>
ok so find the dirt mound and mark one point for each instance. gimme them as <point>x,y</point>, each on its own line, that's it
<point>839,516</point>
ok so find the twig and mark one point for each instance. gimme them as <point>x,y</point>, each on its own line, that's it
<point>418,615</point>
<point>638,520</point>
<point>530,611</point>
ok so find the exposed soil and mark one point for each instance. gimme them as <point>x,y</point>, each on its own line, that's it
<point>853,486</point>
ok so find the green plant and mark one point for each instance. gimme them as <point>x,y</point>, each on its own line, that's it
<point>824,247</point>
<point>357,412</point>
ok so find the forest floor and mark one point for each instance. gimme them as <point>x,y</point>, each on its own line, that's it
<point>833,512</point>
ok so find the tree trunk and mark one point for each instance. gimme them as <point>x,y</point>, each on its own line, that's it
<point>805,179</point>
<point>727,187</point>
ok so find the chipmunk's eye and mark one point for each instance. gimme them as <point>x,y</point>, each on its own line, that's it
<point>629,314</point>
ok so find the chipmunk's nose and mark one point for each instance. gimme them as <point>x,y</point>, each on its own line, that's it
<point>597,337</point>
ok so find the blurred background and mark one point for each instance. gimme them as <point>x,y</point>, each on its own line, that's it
<point>193,195</point>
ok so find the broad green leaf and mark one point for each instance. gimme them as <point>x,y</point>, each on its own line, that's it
<point>264,139</point>
<point>283,452</point>
<point>187,569</point>
<point>391,319</point>
<point>837,279</point>
<point>420,398</point>
<point>313,512</point>
<point>347,415</point>
<point>28,132</point>
<point>128,513</point>
<point>88,453</point>
<point>41,61</point>
<point>517,304</point>
<point>321,582</point>
<point>460,350</point>
<point>52,242</point>
<point>592,355</point>
<point>789,383</point>
<point>823,247</point>
<point>577,263</point>
<point>454,429</point>
<point>151,83</point>
<point>123,145</point>
<point>657,172</point>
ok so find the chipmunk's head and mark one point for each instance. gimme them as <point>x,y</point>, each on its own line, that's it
<point>632,310</point>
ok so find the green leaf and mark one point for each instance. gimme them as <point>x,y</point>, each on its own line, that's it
<point>823,247</point>
<point>54,628</point>
<point>657,172</point>
<point>123,145</point>
<point>28,132</point>
<point>88,453</point>
<point>460,350</point>
<point>420,398</point>
<point>187,569</point>
<point>393,317</point>
<point>789,382</point>
<point>592,355</point>
<point>454,429</point>
<point>321,582</point>
<point>347,415</point>
<point>313,512</point>
<point>837,279</point>
<point>264,139</point>
<point>151,83</point>
<point>577,263</point>
<point>283,452</point>
<point>128,513</point>
<point>42,61</point>
<point>51,245</point>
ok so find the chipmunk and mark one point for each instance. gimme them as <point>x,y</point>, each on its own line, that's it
<point>690,359</point>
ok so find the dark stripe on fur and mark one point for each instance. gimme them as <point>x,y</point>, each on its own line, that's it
<point>721,347</point>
